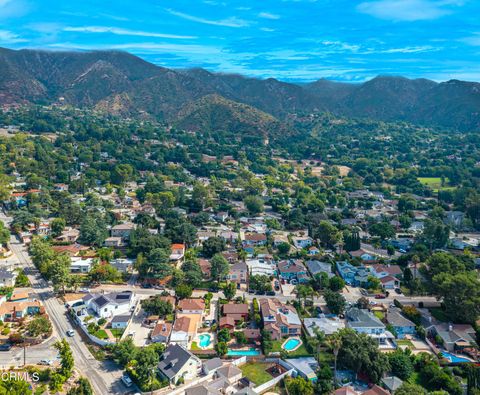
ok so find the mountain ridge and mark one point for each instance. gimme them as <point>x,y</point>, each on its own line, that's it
<point>125,84</point>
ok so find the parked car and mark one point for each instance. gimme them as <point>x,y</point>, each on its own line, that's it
<point>127,380</point>
<point>260,293</point>
<point>5,347</point>
<point>380,296</point>
<point>398,291</point>
<point>271,293</point>
<point>70,333</point>
<point>47,362</point>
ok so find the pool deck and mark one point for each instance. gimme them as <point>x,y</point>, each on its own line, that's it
<point>292,338</point>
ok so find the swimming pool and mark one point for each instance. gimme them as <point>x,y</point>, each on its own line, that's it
<point>240,353</point>
<point>205,340</point>
<point>291,344</point>
<point>453,358</point>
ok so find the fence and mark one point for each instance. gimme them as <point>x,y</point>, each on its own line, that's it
<point>272,382</point>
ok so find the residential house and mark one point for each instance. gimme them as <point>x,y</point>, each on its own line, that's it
<point>12,311</point>
<point>114,242</point>
<point>368,253</point>
<point>69,235</point>
<point>317,267</point>
<point>353,275</point>
<point>161,332</point>
<point>403,326</point>
<point>363,321</point>
<point>301,242</point>
<point>254,240</point>
<point>177,254</point>
<point>237,311</point>
<point>111,304</point>
<point>123,230</point>
<point>313,251</point>
<point>265,267</point>
<point>391,383</point>
<point>280,320</point>
<point>305,367</point>
<point>227,322</point>
<point>455,337</point>
<point>347,390</point>
<point>178,363</point>
<point>238,273</point>
<point>293,271</point>
<point>7,278</point>
<point>80,265</point>
<point>376,390</point>
<point>120,321</point>
<point>327,325</point>
<point>123,265</point>
<point>191,306</point>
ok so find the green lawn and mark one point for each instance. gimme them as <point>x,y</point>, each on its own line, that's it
<point>408,343</point>
<point>101,334</point>
<point>255,372</point>
<point>117,332</point>
<point>195,347</point>
<point>435,183</point>
<point>299,352</point>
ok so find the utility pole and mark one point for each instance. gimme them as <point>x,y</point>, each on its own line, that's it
<point>24,352</point>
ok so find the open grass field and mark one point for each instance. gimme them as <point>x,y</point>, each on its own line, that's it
<point>256,372</point>
<point>435,183</point>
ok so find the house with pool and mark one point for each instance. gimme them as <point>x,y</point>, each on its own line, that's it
<point>279,319</point>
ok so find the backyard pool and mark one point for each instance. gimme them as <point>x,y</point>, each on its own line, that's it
<point>205,340</point>
<point>292,344</point>
<point>241,353</point>
<point>454,358</point>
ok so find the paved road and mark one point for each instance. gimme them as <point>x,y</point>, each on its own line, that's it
<point>105,377</point>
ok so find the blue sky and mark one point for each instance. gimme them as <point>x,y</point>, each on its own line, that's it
<point>296,40</point>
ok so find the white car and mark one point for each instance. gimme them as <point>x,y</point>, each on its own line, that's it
<point>70,333</point>
<point>47,362</point>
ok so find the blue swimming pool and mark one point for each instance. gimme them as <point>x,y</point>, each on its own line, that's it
<point>205,340</point>
<point>453,358</point>
<point>240,353</point>
<point>291,344</point>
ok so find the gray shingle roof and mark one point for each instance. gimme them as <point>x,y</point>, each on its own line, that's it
<point>173,360</point>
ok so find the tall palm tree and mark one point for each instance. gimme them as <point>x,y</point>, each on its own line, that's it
<point>335,344</point>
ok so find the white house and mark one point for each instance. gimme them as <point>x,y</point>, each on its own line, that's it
<point>80,265</point>
<point>109,305</point>
<point>264,267</point>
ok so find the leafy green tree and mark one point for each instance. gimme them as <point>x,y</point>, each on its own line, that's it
<point>224,335</point>
<point>212,246</point>
<point>461,295</point>
<point>435,233</point>
<point>410,389</point>
<point>4,234</point>
<point>401,364</point>
<point>254,204</point>
<point>229,290</point>
<point>299,386</point>
<point>183,291</point>
<point>66,357</point>
<point>328,234</point>
<point>360,353</point>
<point>336,284</point>
<point>147,360</point>
<point>260,282</point>
<point>59,272</point>
<point>220,267</point>
<point>83,387</point>
<point>384,230</point>
<point>336,303</point>
<point>57,226</point>
<point>11,386</point>
<point>124,351</point>
<point>93,230</point>
<point>283,248</point>
<point>156,306</point>
<point>221,348</point>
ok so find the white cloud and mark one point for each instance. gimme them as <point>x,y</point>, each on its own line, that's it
<point>472,40</point>
<point>408,10</point>
<point>8,37</point>
<point>425,48</point>
<point>228,22</point>
<point>121,32</point>
<point>267,29</point>
<point>268,15</point>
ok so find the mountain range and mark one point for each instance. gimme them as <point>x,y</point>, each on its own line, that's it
<point>124,84</point>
